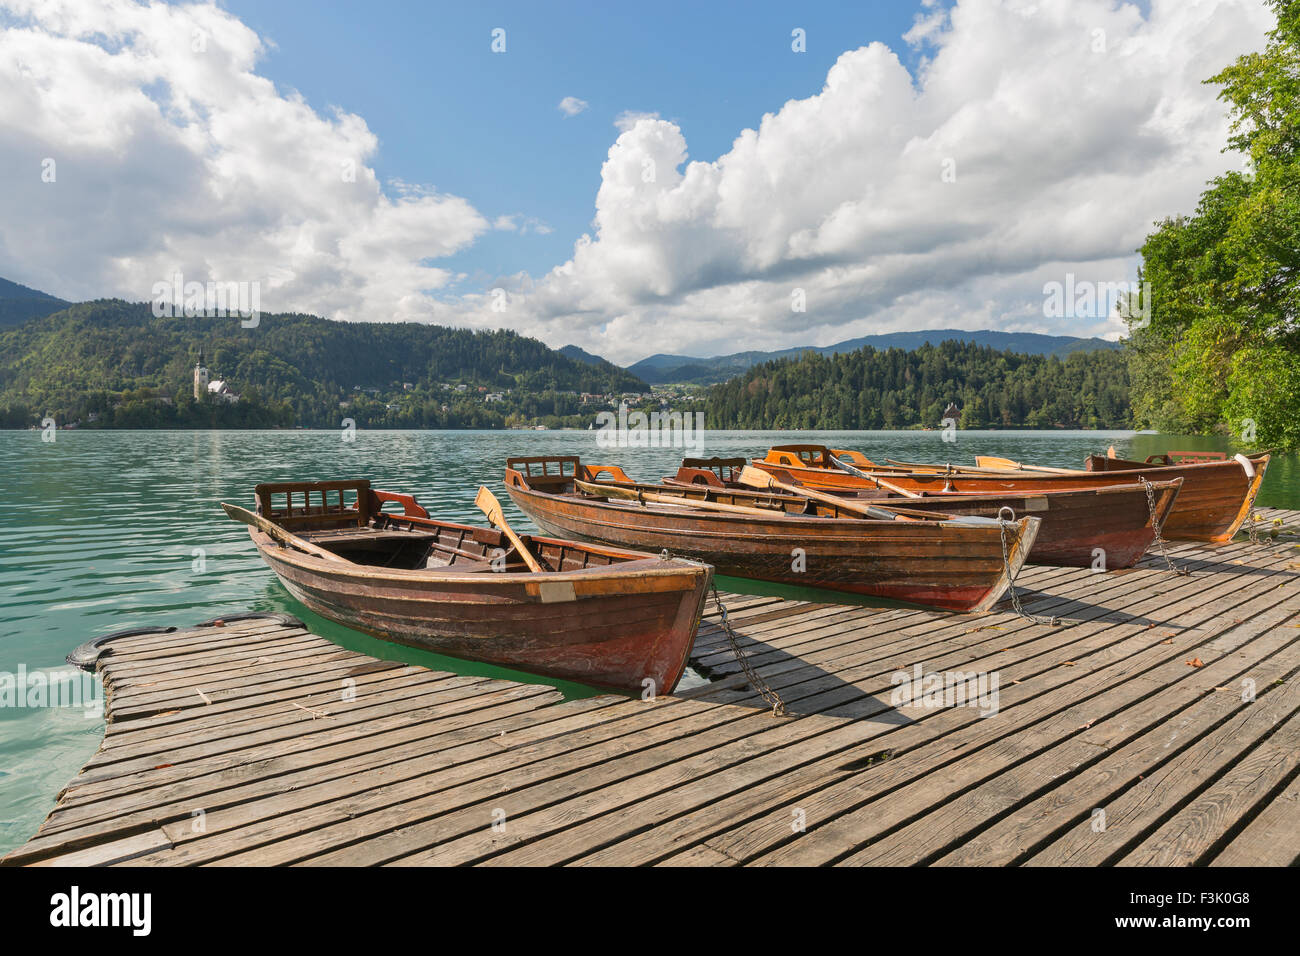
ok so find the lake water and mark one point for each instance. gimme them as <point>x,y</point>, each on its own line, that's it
<point>110,530</point>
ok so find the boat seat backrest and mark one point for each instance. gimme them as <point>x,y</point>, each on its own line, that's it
<point>544,472</point>
<point>316,504</point>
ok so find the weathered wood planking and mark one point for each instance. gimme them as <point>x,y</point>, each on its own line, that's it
<point>1168,703</point>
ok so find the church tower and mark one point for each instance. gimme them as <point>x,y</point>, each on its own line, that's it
<point>200,379</point>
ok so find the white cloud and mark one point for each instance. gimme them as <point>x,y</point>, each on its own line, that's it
<point>172,154</point>
<point>1063,157</point>
<point>572,106</point>
<point>625,120</point>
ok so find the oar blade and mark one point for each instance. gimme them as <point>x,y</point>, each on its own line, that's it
<point>754,477</point>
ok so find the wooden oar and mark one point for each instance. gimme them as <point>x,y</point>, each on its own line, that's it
<point>866,476</point>
<point>635,494</point>
<point>488,504</point>
<point>757,478</point>
<point>957,471</point>
<point>1006,464</point>
<point>279,534</point>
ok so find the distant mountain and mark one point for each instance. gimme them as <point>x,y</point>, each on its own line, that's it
<point>659,369</point>
<point>582,355</point>
<point>19,303</point>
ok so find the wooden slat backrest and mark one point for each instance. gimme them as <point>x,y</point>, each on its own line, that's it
<point>545,472</point>
<point>315,502</point>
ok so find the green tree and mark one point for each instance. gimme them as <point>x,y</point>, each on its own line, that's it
<point>1223,343</point>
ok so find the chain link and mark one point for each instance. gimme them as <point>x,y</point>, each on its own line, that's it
<point>759,685</point>
<point>1252,527</point>
<point>1155,524</point>
<point>1003,526</point>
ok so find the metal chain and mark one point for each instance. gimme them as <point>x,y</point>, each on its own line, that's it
<point>759,685</point>
<point>1252,527</point>
<point>1003,526</point>
<point>1155,524</point>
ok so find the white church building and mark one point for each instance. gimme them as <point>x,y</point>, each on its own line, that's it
<point>208,389</point>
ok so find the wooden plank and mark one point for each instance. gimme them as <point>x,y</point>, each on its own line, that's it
<point>1065,745</point>
<point>1134,787</point>
<point>703,794</point>
<point>745,840</point>
<point>1269,839</point>
<point>1193,833</point>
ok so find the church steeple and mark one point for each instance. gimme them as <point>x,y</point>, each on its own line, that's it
<point>200,379</point>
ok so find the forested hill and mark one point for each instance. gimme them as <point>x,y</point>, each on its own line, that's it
<point>19,303</point>
<point>662,368</point>
<point>100,357</point>
<point>897,389</point>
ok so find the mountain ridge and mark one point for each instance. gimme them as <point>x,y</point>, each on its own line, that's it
<point>664,368</point>
<point>19,304</point>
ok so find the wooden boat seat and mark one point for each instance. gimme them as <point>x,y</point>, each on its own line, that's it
<point>295,504</point>
<point>327,536</point>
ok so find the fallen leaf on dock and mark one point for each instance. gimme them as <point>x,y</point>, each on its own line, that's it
<point>1168,640</point>
<point>1195,662</point>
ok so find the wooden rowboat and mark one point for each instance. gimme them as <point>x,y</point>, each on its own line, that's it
<point>1114,522</point>
<point>604,616</point>
<point>1214,500</point>
<point>952,564</point>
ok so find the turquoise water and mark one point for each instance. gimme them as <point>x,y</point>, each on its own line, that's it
<point>109,530</point>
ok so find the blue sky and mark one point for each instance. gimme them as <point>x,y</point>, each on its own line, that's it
<point>452,114</point>
<point>921,166</point>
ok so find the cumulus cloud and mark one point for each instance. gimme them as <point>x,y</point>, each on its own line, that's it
<point>572,106</point>
<point>167,152</point>
<point>1037,140</point>
<point>625,120</point>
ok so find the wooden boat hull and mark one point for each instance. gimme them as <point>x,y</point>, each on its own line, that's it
<point>1214,500</point>
<point>1078,527</point>
<point>947,565</point>
<point>615,628</point>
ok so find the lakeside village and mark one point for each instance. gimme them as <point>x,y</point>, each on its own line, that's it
<point>213,400</point>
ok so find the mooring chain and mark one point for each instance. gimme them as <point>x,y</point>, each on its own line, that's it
<point>1252,528</point>
<point>756,682</point>
<point>1005,524</point>
<point>1155,524</point>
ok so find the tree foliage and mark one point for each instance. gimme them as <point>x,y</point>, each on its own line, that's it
<point>1223,343</point>
<point>116,361</point>
<point>871,389</point>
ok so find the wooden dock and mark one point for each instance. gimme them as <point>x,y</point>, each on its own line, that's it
<point>1158,723</point>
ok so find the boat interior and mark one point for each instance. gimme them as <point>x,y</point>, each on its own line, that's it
<point>349,519</point>
<point>561,474</point>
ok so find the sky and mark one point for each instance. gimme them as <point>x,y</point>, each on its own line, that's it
<point>687,178</point>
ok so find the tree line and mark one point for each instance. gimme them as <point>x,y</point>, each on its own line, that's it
<point>894,388</point>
